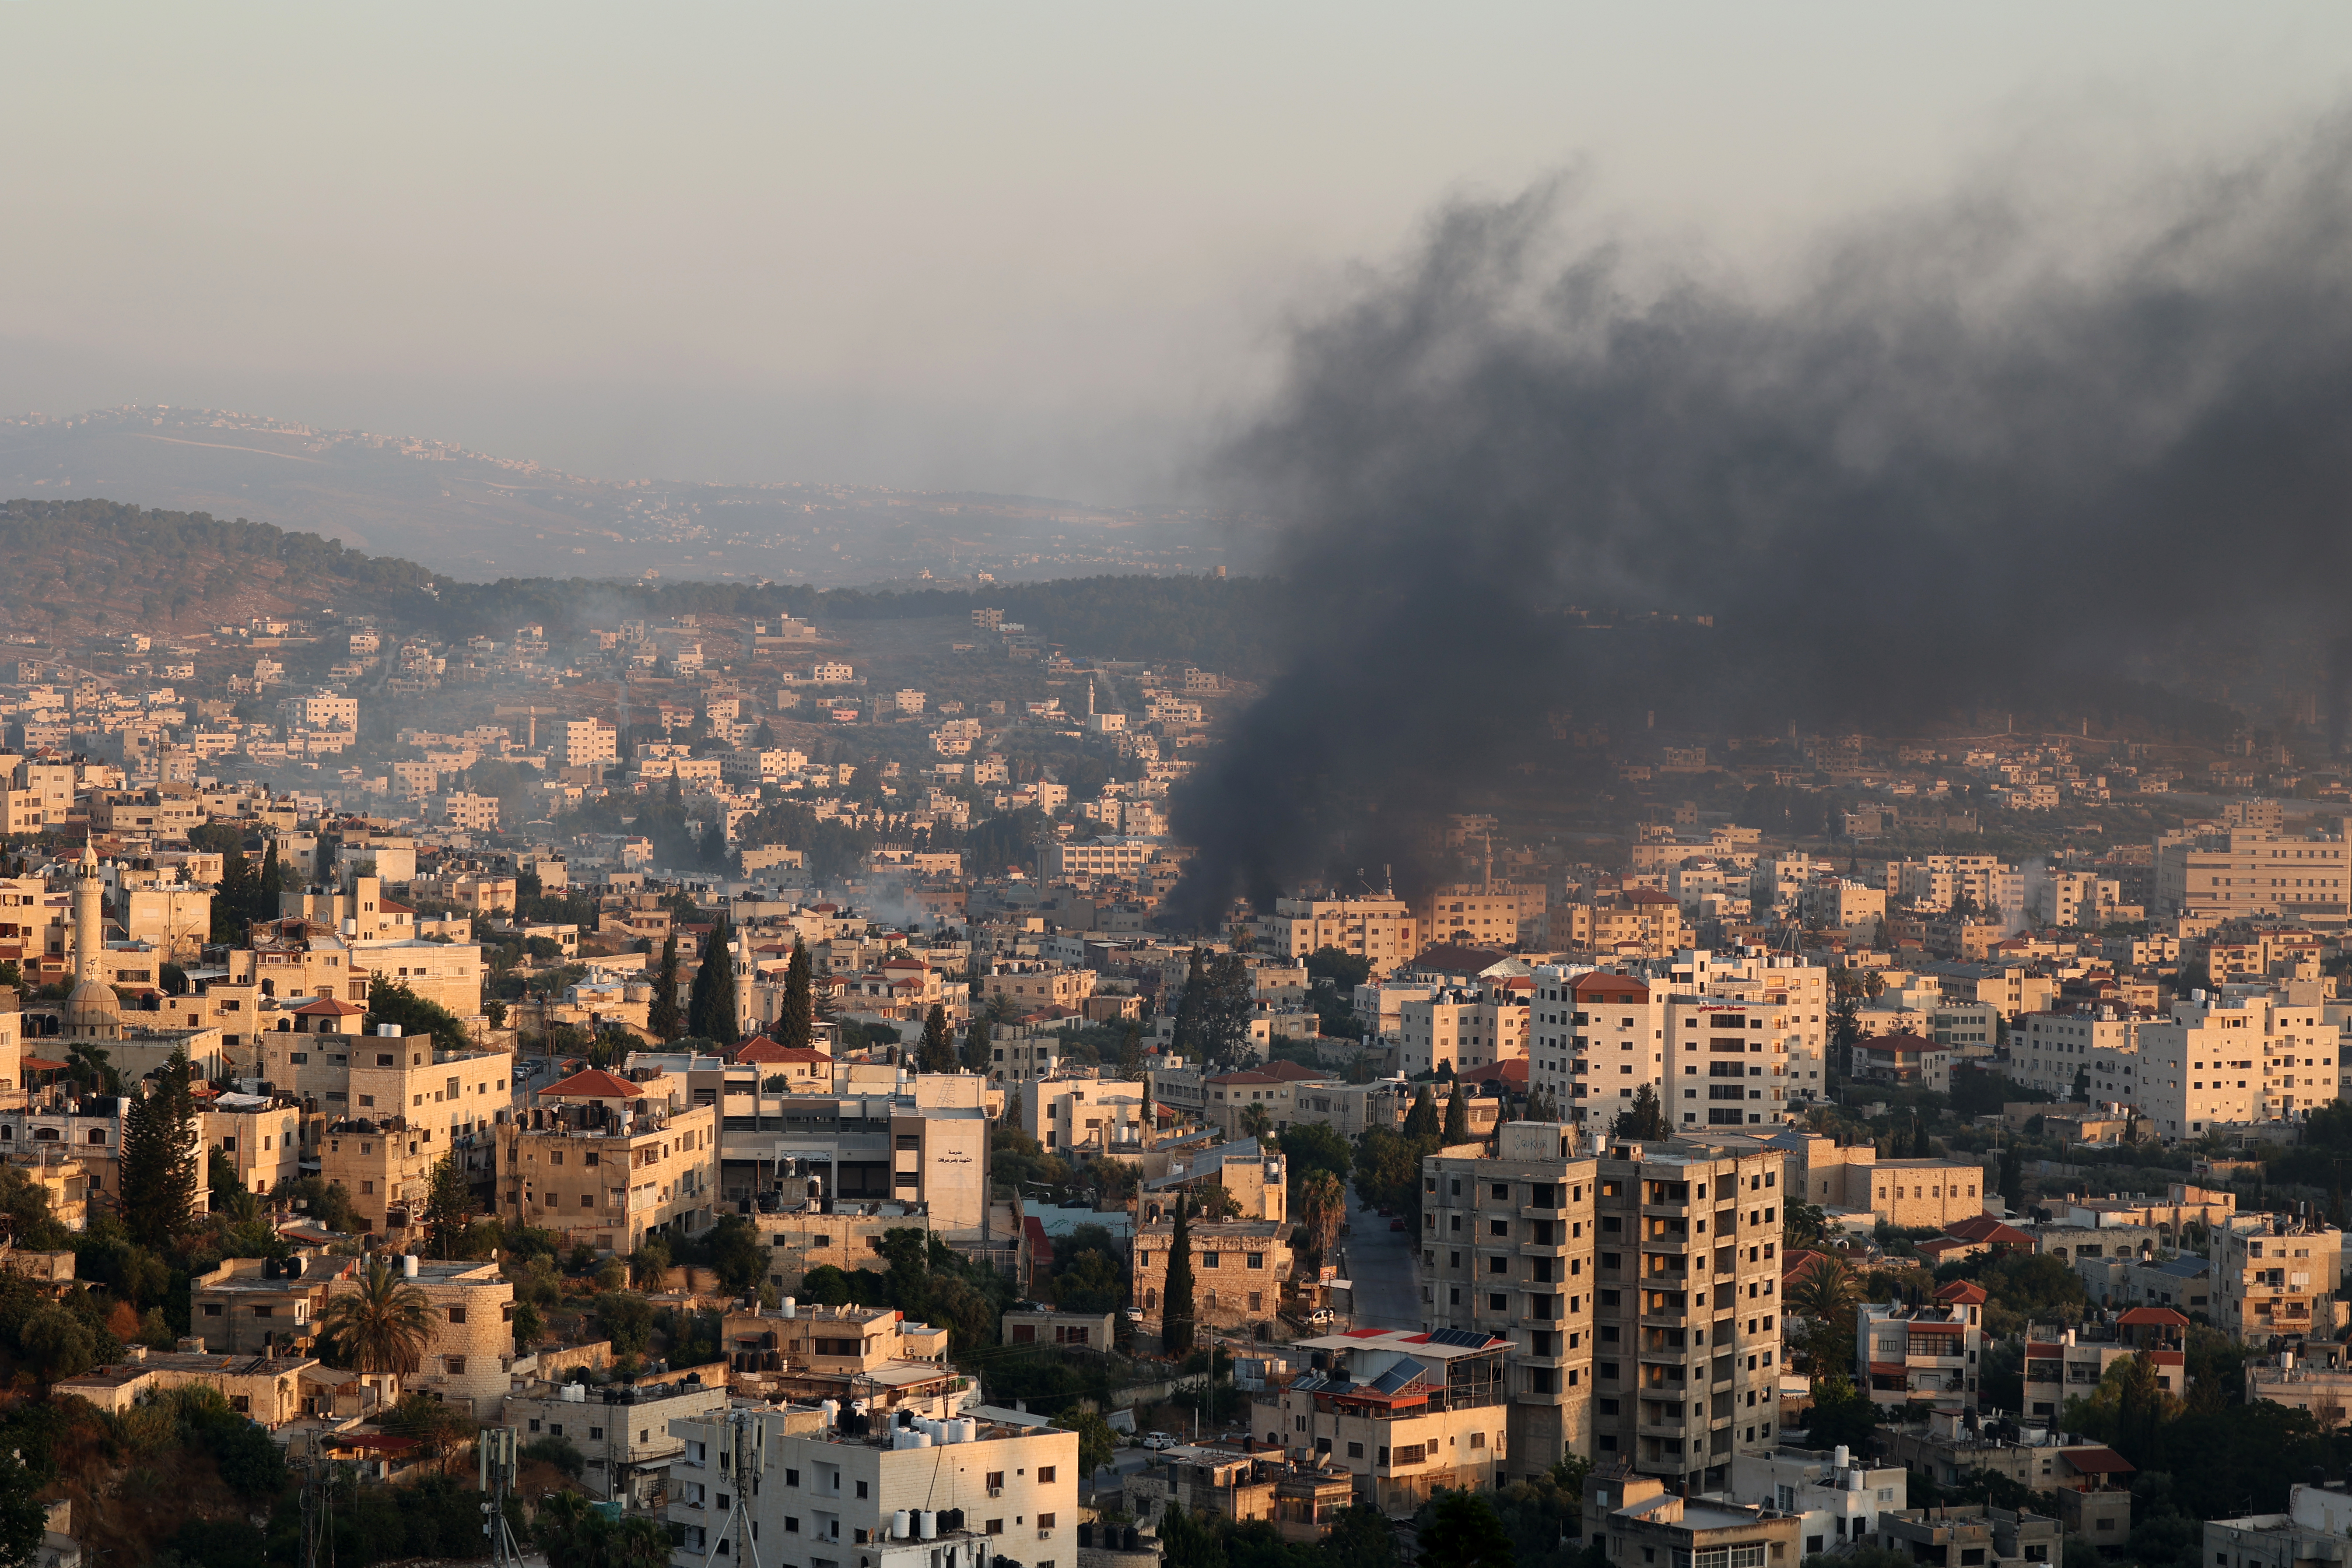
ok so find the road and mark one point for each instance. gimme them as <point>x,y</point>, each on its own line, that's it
<point>1380,1261</point>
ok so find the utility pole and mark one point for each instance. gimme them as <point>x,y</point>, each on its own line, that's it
<point>318,1509</point>
<point>749,1445</point>
<point>494,1451</point>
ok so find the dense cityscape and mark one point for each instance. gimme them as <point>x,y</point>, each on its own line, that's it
<point>1370,1219</point>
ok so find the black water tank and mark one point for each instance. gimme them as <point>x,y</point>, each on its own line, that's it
<point>1086,1536</point>
<point>1134,1539</point>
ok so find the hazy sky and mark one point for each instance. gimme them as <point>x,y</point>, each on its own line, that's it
<point>1021,247</point>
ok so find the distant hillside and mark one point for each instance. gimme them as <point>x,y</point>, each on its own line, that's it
<point>477,516</point>
<point>73,568</point>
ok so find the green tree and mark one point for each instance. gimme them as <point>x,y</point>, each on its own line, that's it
<point>1458,1119</point>
<point>1422,1122</point>
<point>395,1004</point>
<point>1186,1039</point>
<point>1842,1415</point>
<point>1322,1209</point>
<point>1096,1446</point>
<point>796,1024</point>
<point>710,1010</point>
<point>1176,1303</point>
<point>448,1209</point>
<point>1466,1533</point>
<point>1645,1117</point>
<point>1312,1146</point>
<point>626,1320</point>
<point>662,1019</point>
<point>380,1325</point>
<point>979,1044</point>
<point>1344,970</point>
<point>936,1053</point>
<point>157,1168</point>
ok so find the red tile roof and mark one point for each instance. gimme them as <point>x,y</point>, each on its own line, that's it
<point>594,1083</point>
<point>2162,1316</point>
<point>328,1007</point>
<point>1603,986</point>
<point>1964,1292</point>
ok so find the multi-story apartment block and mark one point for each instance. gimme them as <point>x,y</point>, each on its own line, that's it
<point>1940,882</point>
<point>1085,1116</point>
<point>1834,1496</point>
<point>1382,930</point>
<point>1638,1520</point>
<point>2064,1362</point>
<point>1399,1412</point>
<point>1103,856</point>
<point>1031,984</point>
<point>1927,1354</point>
<point>2237,873</point>
<point>1480,914</point>
<point>589,742</point>
<point>622,1430</point>
<point>2265,1279</point>
<point>1714,1064</point>
<point>839,1487</point>
<point>1462,1029</point>
<point>1637,1289</point>
<point>2055,1052</point>
<point>472,813</point>
<point>2243,1054</point>
<point>1238,1270</point>
<point>608,1162</point>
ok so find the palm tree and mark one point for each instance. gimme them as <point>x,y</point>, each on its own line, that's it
<point>1322,1207</point>
<point>382,1323</point>
<point>637,1542</point>
<point>1255,1122</point>
<point>1823,1292</point>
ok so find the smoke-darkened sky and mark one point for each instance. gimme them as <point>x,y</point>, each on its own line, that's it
<point>1038,247</point>
<point>1987,448</point>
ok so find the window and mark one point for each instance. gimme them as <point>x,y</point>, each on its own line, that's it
<point>367,1188</point>
<point>1044,1521</point>
<point>456,1366</point>
<point>265,1311</point>
<point>1355,1450</point>
<point>861,1488</point>
<point>457,1314</point>
<point>596,1434</point>
<point>1255,1259</point>
<point>792,1478</point>
<point>212,1309</point>
<point>996,1480</point>
<point>1044,1477</point>
<point>995,1527</point>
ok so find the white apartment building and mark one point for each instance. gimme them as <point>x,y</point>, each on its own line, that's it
<point>1939,881</point>
<point>1595,1039</point>
<point>589,742</point>
<point>1461,1029</point>
<point>827,1484</point>
<point>2243,1054</point>
<point>2242,872</point>
<point>1098,856</point>
<point>2050,1051</point>
<point>1380,930</point>
<point>322,710</point>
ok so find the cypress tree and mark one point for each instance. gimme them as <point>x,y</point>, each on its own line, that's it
<point>662,1019</point>
<point>796,1027</point>
<point>938,1052</point>
<point>158,1172</point>
<point>711,1008</point>
<point>273,879</point>
<point>1422,1121</point>
<point>1458,1119</point>
<point>979,1047</point>
<point>1189,1006</point>
<point>1176,1305</point>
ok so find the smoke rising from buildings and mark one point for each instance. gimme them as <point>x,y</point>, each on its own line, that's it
<point>1969,456</point>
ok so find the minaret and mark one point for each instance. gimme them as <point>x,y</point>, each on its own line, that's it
<point>92,1010</point>
<point>89,918</point>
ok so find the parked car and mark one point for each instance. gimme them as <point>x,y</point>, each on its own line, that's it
<point>1320,1315</point>
<point>1396,1224</point>
<point>1160,1439</point>
<point>1386,1211</point>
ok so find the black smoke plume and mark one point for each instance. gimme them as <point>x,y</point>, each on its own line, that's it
<point>1956,465</point>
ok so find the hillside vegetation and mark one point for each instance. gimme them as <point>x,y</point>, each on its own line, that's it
<point>75,567</point>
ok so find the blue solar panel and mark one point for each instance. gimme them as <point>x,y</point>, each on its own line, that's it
<point>1397,1378</point>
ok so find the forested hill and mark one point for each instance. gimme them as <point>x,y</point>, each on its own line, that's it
<point>69,568</point>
